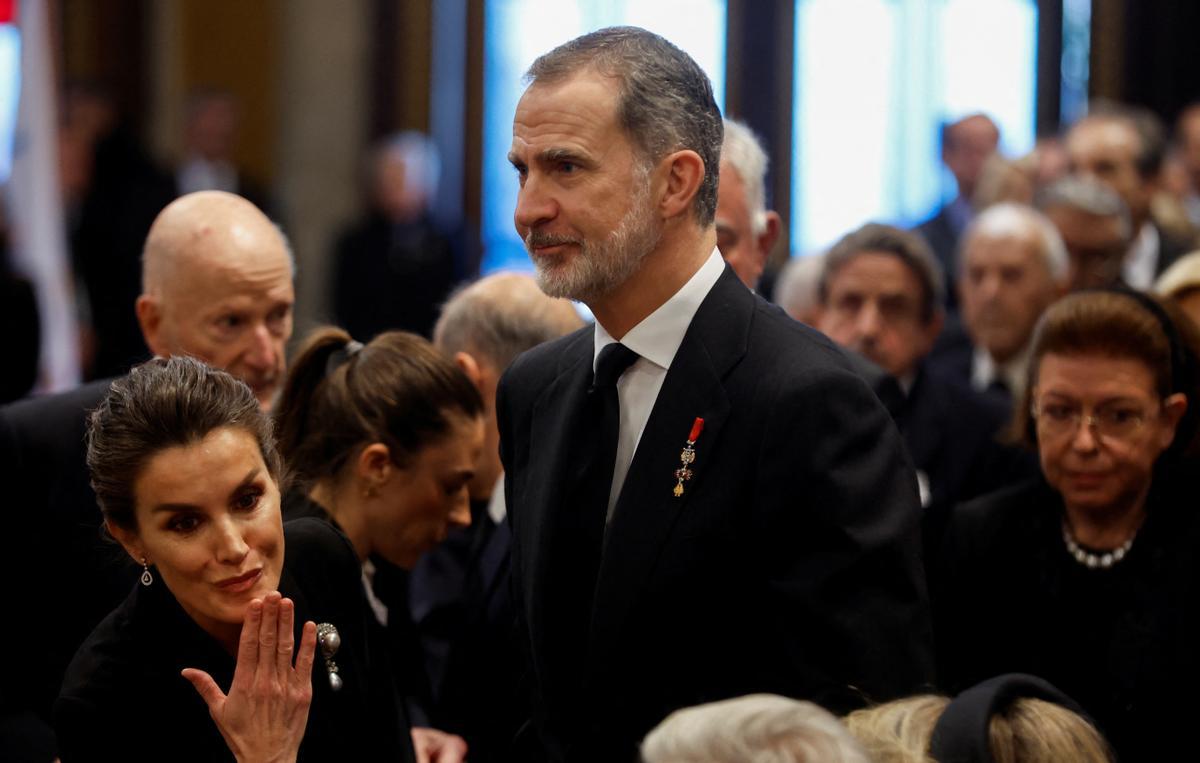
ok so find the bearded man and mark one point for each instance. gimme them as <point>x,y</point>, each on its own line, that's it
<point>705,499</point>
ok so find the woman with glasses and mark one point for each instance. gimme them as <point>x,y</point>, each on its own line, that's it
<point>1087,577</point>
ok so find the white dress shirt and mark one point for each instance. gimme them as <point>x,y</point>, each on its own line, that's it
<point>985,370</point>
<point>656,340</point>
<point>1141,262</point>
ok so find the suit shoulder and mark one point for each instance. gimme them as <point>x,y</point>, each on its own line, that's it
<point>50,413</point>
<point>541,364</point>
<point>789,346</point>
<point>314,543</point>
<point>1008,507</point>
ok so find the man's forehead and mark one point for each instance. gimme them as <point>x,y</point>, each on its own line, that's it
<point>580,108</point>
<point>1099,134</point>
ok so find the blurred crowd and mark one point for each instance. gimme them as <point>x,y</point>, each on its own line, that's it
<point>1025,363</point>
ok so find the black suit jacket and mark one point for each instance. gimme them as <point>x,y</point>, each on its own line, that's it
<point>791,563</point>
<point>71,576</point>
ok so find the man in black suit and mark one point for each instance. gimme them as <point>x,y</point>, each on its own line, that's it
<point>880,295</point>
<point>966,145</point>
<point>217,284</point>
<point>705,500</point>
<point>1123,147</point>
<point>1014,264</point>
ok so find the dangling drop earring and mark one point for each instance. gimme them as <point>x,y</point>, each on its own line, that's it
<point>147,578</point>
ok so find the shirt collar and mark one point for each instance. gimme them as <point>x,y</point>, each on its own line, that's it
<point>658,336</point>
<point>985,370</point>
<point>1142,258</point>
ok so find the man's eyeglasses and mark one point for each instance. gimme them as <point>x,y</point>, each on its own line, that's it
<point>1113,422</point>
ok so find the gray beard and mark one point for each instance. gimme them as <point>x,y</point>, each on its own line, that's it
<point>599,268</point>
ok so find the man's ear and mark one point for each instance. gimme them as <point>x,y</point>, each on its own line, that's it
<point>684,174</point>
<point>149,315</point>
<point>469,366</point>
<point>770,234</point>
<point>128,540</point>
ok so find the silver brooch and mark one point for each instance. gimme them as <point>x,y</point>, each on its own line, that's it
<point>329,639</point>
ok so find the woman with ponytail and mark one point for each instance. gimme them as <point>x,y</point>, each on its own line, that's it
<point>382,441</point>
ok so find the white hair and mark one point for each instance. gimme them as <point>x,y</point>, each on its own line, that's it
<point>1011,220</point>
<point>748,159</point>
<point>420,157</point>
<point>763,728</point>
<point>798,287</point>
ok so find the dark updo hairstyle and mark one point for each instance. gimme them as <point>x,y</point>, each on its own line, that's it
<point>165,403</point>
<point>340,395</point>
<point>1121,323</point>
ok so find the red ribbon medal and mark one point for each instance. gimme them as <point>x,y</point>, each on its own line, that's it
<point>687,457</point>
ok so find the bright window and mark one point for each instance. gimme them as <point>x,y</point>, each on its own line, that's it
<point>874,80</point>
<point>518,31</point>
<point>10,88</point>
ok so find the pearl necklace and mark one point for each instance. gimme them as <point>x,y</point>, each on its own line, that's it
<point>1093,561</point>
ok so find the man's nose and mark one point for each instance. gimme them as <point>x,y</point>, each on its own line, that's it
<point>262,353</point>
<point>534,205</point>
<point>869,322</point>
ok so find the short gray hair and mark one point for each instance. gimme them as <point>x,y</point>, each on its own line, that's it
<point>501,316</point>
<point>1009,220</point>
<point>796,289</point>
<point>763,728</point>
<point>666,100</point>
<point>907,246</point>
<point>1086,195</point>
<point>746,156</point>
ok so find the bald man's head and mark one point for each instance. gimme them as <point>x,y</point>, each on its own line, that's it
<point>484,327</point>
<point>217,285</point>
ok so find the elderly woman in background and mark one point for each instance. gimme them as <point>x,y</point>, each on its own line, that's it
<point>383,440</point>
<point>186,471</point>
<point>1087,577</point>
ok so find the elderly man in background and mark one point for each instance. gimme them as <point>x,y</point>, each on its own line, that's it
<point>1013,265</point>
<point>746,229</point>
<point>459,592</point>
<point>217,285</point>
<point>1123,148</point>
<point>1095,227</point>
<point>966,146</point>
<point>880,295</point>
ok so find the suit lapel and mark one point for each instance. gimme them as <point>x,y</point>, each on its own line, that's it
<point>545,520</point>
<point>647,508</point>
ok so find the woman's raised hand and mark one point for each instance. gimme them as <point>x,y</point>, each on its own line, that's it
<point>264,715</point>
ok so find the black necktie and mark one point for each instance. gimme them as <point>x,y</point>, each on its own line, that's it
<point>606,409</point>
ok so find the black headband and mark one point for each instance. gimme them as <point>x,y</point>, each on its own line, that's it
<point>961,734</point>
<point>1181,365</point>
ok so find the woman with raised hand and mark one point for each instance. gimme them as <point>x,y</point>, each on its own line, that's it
<point>200,662</point>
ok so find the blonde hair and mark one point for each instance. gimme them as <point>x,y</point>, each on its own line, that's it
<point>1027,731</point>
<point>764,728</point>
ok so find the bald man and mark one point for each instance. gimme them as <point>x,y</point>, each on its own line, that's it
<point>217,283</point>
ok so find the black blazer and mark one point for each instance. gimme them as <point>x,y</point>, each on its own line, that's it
<point>939,232</point>
<point>71,576</point>
<point>791,563</point>
<point>124,698</point>
<point>1122,641</point>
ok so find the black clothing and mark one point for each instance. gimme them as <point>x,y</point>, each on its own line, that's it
<point>1121,641</point>
<point>124,698</point>
<point>391,276</point>
<point>789,564</point>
